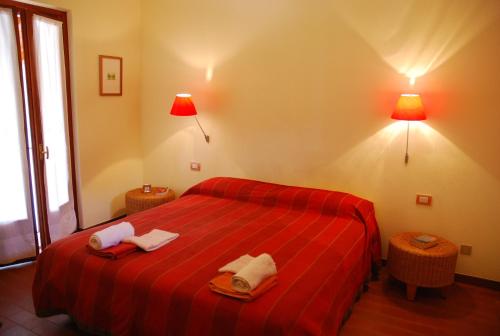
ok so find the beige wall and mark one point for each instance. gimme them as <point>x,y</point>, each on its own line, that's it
<point>302,94</point>
<point>107,128</point>
<point>299,94</point>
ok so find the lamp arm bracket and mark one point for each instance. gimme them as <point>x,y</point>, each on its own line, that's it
<point>207,138</point>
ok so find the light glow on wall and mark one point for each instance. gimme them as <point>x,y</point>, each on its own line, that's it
<point>209,74</point>
<point>415,37</point>
<point>213,41</point>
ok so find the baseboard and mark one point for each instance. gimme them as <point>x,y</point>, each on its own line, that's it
<point>469,279</point>
<point>105,222</point>
<point>17,262</point>
<point>487,283</point>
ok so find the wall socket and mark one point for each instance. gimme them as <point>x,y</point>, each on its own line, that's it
<point>196,166</point>
<point>465,249</point>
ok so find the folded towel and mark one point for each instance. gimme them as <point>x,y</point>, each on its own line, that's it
<point>251,275</point>
<point>236,265</point>
<point>222,284</point>
<point>152,240</point>
<point>111,236</point>
<point>114,252</point>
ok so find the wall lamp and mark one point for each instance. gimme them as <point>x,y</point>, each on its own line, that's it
<point>410,108</point>
<point>184,107</point>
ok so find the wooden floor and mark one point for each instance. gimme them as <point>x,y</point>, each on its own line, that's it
<point>383,310</point>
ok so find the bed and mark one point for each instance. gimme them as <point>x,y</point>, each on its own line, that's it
<point>324,244</point>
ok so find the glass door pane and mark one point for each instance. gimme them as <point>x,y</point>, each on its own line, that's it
<point>49,55</point>
<point>17,237</point>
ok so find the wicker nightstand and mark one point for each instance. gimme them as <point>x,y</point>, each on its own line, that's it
<point>433,267</point>
<point>136,200</point>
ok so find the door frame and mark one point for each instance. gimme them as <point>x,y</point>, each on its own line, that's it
<point>27,43</point>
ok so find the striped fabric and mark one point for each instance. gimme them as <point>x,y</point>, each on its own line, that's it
<point>323,243</point>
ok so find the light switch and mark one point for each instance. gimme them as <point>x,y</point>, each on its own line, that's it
<point>424,199</point>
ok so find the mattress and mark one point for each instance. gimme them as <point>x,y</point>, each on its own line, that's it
<point>323,243</point>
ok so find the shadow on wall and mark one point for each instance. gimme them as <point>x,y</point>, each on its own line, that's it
<point>116,207</point>
<point>462,104</point>
<point>110,184</point>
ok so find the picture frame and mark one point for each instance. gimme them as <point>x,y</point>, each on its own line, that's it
<point>110,75</point>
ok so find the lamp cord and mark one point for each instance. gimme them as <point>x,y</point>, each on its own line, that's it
<point>407,157</point>
<point>207,138</point>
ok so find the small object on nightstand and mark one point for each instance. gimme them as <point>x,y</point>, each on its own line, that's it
<point>137,200</point>
<point>162,191</point>
<point>146,188</point>
<point>424,241</point>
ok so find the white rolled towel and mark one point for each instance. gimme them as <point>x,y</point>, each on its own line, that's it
<point>236,265</point>
<point>152,240</point>
<point>111,236</point>
<point>251,275</point>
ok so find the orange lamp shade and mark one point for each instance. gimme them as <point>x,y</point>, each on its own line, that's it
<point>183,106</point>
<point>409,107</point>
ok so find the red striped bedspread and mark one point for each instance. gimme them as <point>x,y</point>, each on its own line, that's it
<point>323,243</point>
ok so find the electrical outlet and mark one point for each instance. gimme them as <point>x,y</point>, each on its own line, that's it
<point>465,249</point>
<point>424,199</point>
<point>196,166</point>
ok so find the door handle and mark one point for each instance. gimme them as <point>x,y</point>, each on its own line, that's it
<point>44,152</point>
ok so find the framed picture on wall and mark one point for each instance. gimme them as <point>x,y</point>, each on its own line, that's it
<point>110,75</point>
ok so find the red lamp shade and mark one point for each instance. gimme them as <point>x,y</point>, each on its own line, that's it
<point>183,106</point>
<point>409,107</point>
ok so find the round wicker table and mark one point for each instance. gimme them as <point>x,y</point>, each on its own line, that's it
<point>432,267</point>
<point>136,200</point>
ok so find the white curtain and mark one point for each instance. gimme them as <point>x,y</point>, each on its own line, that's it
<point>17,238</point>
<point>51,84</point>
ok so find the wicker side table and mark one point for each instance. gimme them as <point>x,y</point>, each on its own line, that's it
<point>136,200</point>
<point>433,267</point>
